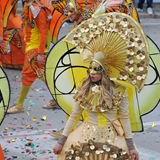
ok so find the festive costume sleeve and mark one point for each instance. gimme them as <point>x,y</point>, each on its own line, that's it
<point>1,23</point>
<point>41,22</point>
<point>73,119</point>
<point>124,117</point>
<point>1,31</point>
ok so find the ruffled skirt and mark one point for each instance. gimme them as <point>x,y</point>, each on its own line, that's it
<point>87,131</point>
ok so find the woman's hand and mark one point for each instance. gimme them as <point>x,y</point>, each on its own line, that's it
<point>134,154</point>
<point>40,59</point>
<point>58,148</point>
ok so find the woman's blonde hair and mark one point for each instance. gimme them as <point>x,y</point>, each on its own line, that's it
<point>107,89</point>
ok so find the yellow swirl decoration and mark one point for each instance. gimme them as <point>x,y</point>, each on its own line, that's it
<point>4,94</point>
<point>65,69</point>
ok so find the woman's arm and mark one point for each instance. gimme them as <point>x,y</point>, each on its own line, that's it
<point>125,121</point>
<point>72,121</point>
<point>123,114</point>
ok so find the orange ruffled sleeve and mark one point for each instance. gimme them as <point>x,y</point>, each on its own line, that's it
<point>1,22</point>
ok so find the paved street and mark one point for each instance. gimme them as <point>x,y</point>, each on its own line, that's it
<point>26,135</point>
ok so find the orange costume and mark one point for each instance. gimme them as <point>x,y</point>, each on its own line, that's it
<point>36,18</point>
<point>35,25</point>
<point>12,46</point>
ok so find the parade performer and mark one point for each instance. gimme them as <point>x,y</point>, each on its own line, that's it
<point>108,42</point>
<point>78,11</point>
<point>12,43</point>
<point>75,15</point>
<point>36,19</point>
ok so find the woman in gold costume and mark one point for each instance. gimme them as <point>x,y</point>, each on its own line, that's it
<point>116,48</point>
<point>100,100</point>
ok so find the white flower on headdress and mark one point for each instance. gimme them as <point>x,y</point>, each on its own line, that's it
<point>139,44</point>
<point>105,28</point>
<point>117,28</point>
<point>134,82</point>
<point>84,29</point>
<point>98,31</point>
<point>77,34</point>
<point>92,34</point>
<point>130,59</point>
<point>141,65</point>
<point>94,25</point>
<point>129,67</point>
<point>136,36</point>
<point>99,151</point>
<point>92,147</point>
<point>141,76</point>
<point>126,37</point>
<point>72,151</point>
<point>75,41</point>
<point>80,48</point>
<point>90,25</point>
<point>106,147</point>
<point>86,39</point>
<point>131,42</point>
<point>133,79</point>
<point>77,158</point>
<point>124,22</point>
<point>116,19</point>
<point>141,68</point>
<point>140,55</point>
<point>131,29</point>
<point>101,22</point>
<point>108,20</point>
<point>123,33</point>
<point>111,27</point>
<point>123,76</point>
<point>87,154</point>
<point>113,156</point>
<point>130,51</point>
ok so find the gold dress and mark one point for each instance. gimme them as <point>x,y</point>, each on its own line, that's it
<point>96,125</point>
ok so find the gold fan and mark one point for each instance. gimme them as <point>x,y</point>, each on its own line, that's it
<point>119,40</point>
<point>96,150</point>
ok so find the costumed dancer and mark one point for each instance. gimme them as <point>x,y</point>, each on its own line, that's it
<point>76,11</point>
<point>107,42</point>
<point>127,7</point>
<point>36,18</point>
<point>12,45</point>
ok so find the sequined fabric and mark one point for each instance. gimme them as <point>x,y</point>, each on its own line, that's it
<point>93,101</point>
<point>97,133</point>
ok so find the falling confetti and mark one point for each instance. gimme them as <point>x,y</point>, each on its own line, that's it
<point>34,119</point>
<point>44,118</point>
<point>153,124</point>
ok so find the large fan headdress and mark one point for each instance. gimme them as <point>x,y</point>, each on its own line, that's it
<point>117,42</point>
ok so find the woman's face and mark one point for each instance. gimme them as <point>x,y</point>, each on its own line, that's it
<point>95,72</point>
<point>72,15</point>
